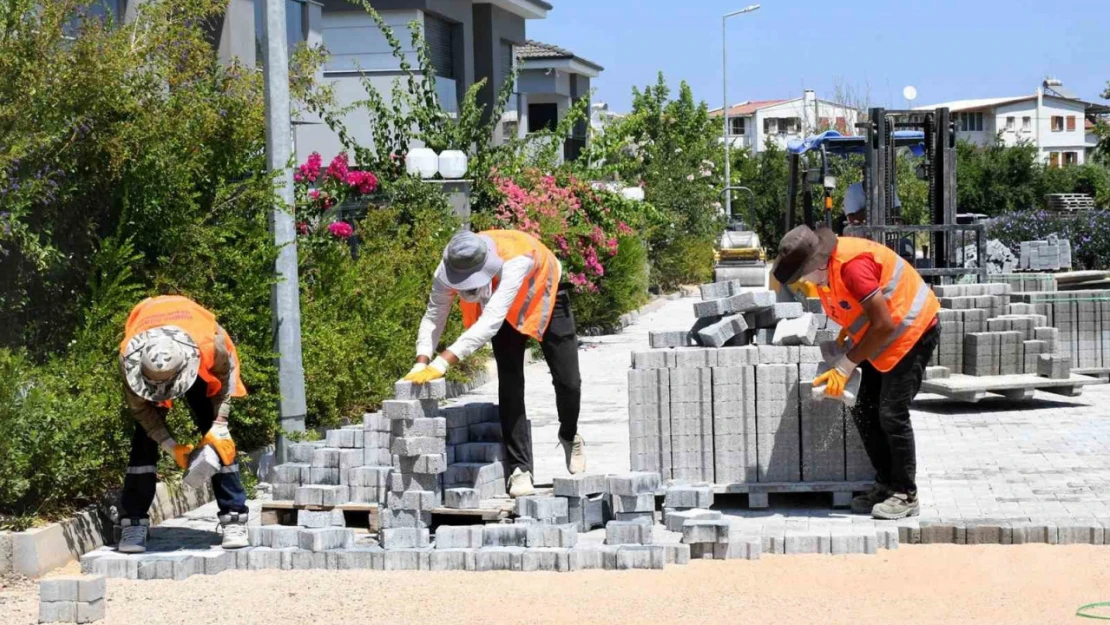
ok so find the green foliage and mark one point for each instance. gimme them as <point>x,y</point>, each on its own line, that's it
<point>766,174</point>
<point>1086,230</point>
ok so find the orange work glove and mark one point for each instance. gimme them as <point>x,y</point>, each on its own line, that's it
<point>180,453</point>
<point>219,437</point>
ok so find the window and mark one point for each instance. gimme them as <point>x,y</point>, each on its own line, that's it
<point>1071,158</point>
<point>1026,123</point>
<point>737,126</point>
<point>1010,124</point>
<point>543,116</point>
<point>440,35</point>
<point>790,125</point>
<point>823,123</point>
<point>1057,123</point>
<point>1071,123</point>
<point>1053,159</point>
<point>971,122</point>
<point>770,125</point>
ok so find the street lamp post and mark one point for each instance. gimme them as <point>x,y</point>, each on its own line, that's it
<point>724,105</point>
<point>285,307</point>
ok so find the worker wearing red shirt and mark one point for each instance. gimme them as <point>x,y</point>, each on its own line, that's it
<point>889,320</point>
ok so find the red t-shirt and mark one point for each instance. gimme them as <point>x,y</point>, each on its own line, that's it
<point>861,277</point>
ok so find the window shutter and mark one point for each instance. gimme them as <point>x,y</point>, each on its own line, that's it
<point>842,125</point>
<point>1071,122</point>
<point>1054,159</point>
<point>440,35</point>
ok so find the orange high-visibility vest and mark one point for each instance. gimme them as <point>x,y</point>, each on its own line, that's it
<point>913,307</point>
<point>531,311</point>
<point>196,321</point>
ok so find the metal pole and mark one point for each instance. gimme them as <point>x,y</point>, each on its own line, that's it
<point>724,114</point>
<point>285,304</point>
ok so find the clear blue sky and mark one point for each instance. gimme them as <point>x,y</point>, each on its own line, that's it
<point>991,48</point>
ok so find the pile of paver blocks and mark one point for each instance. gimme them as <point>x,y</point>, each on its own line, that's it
<point>1053,254</point>
<point>732,315</point>
<point>741,414</point>
<point>1083,320</point>
<point>75,599</point>
<point>475,469</point>
<point>1027,282</point>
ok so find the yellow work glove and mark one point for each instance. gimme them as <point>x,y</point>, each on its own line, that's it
<point>219,438</point>
<point>805,288</point>
<point>836,379</point>
<point>434,371</point>
<point>180,453</point>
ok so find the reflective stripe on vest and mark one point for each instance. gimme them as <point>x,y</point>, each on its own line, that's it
<point>912,303</point>
<point>197,322</point>
<point>534,304</point>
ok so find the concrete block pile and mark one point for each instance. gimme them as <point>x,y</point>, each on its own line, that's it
<point>474,453</point>
<point>352,464</point>
<point>1052,254</point>
<point>739,414</point>
<point>74,599</point>
<point>1027,282</point>
<point>1083,320</point>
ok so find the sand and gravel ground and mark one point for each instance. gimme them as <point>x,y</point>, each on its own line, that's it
<point>914,584</point>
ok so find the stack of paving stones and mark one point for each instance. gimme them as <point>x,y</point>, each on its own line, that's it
<point>1053,254</point>
<point>736,415</point>
<point>475,469</point>
<point>1083,319</point>
<point>1027,282</point>
<point>76,599</point>
<point>588,503</point>
<point>419,447</point>
<point>351,465</point>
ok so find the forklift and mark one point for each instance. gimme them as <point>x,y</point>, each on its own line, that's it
<point>930,135</point>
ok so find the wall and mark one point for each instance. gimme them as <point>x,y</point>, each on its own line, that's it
<point>754,137</point>
<point>492,26</point>
<point>1049,141</point>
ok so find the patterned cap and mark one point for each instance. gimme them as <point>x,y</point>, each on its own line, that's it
<point>161,363</point>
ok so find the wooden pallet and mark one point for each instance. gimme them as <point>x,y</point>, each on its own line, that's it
<point>1069,201</point>
<point>971,389</point>
<point>363,515</point>
<point>489,511</point>
<point>758,493</point>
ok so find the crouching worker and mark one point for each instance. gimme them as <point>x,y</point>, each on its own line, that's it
<point>889,316</point>
<point>509,286</point>
<point>173,348</point>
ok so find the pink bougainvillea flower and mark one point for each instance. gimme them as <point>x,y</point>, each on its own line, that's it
<point>310,170</point>
<point>337,170</point>
<point>302,227</point>
<point>623,228</point>
<point>363,181</point>
<point>340,229</point>
<point>314,194</point>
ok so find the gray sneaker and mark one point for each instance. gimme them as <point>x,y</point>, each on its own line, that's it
<point>862,504</point>
<point>897,506</point>
<point>133,535</point>
<point>575,452</point>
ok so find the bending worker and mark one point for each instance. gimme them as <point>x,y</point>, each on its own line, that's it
<point>509,286</point>
<point>172,348</point>
<point>889,316</point>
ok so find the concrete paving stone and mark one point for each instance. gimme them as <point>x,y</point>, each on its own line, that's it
<point>404,538</point>
<point>543,508</point>
<point>436,389</point>
<point>57,611</point>
<point>344,438</point>
<point>772,315</point>
<point>750,301</point>
<point>458,537</point>
<point>737,356</point>
<point>376,476</point>
<point>589,512</point>
<point>324,538</point>
<point>399,482</point>
<point>634,483</point>
<point>542,559</point>
<point>505,536</point>
<point>460,498</point>
<point>323,476</point>
<point>418,445</point>
<point>673,338</point>
<point>640,517</point>
<point>543,535</point>
<point>631,557</point>
<point>714,290</point>
<point>325,457</point>
<point>423,500</point>
<point>290,473</point>
<point>409,409</point>
<point>633,503</point>
<point>302,560</point>
<point>407,559</point>
<point>1079,532</point>
<point>721,332</point>
<point>676,553</point>
<point>452,560</point>
<point>705,531</point>
<point>695,357</point>
<point>580,485</point>
<point>497,558</point>
<point>801,330</point>
<point>274,536</point>
<point>592,557</point>
<point>404,519</point>
<point>62,588</point>
<point>687,497</point>
<point>367,558</point>
<point>431,427</point>
<point>674,519</point>
<point>484,433</point>
<point>90,611</point>
<point>628,533</point>
<point>479,452</point>
<point>654,358</point>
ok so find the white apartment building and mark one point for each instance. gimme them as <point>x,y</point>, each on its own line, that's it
<point>752,122</point>
<point>1057,123</point>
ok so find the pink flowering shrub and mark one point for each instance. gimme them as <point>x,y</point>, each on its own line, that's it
<point>318,189</point>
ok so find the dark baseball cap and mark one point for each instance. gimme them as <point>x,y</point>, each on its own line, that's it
<point>803,251</point>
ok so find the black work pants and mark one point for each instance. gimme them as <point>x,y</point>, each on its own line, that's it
<point>882,414</point>
<point>140,482</point>
<point>560,350</point>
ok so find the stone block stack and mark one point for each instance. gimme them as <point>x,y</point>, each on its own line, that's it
<point>1052,254</point>
<point>587,496</point>
<point>475,469</point>
<point>76,599</point>
<point>418,443</point>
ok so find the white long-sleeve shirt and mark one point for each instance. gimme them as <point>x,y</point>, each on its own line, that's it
<point>494,310</point>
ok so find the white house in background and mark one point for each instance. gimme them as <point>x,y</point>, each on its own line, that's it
<point>1052,119</point>
<point>752,122</point>
<point>601,117</point>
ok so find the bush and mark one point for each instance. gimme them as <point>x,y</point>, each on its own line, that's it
<point>1086,231</point>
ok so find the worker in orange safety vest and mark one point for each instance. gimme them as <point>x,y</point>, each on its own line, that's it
<point>888,316</point>
<point>510,288</point>
<point>172,347</point>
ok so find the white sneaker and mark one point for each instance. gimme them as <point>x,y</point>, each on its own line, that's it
<point>575,452</point>
<point>235,531</point>
<point>133,534</point>
<point>520,483</point>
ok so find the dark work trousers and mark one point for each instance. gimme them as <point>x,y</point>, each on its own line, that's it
<point>140,482</point>
<point>882,414</point>
<point>560,350</point>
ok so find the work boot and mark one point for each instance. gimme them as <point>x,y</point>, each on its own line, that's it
<point>863,504</point>
<point>520,483</point>
<point>575,452</point>
<point>234,526</point>
<point>133,535</point>
<point>897,506</point>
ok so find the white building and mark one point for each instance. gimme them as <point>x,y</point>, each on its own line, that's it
<point>1057,123</point>
<point>752,122</point>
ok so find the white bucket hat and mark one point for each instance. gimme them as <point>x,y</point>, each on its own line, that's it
<point>161,363</point>
<point>470,261</point>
